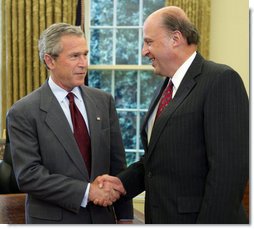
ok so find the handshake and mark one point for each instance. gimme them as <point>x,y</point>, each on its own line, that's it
<point>105,190</point>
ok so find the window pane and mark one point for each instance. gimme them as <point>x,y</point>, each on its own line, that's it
<point>126,89</point>
<point>148,84</point>
<point>130,157</point>
<point>127,122</point>
<point>101,46</point>
<point>127,46</point>
<point>127,12</point>
<point>101,12</point>
<point>100,79</point>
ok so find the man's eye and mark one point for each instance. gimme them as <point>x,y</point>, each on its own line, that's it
<point>74,56</point>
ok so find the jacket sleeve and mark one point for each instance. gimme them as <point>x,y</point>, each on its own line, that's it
<point>226,129</point>
<point>123,208</point>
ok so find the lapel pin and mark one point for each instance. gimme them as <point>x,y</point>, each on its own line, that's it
<point>98,118</point>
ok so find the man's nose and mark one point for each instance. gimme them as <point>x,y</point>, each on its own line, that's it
<point>145,50</point>
<point>83,61</point>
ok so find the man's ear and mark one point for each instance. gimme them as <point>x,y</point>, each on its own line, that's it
<point>49,61</point>
<point>177,37</point>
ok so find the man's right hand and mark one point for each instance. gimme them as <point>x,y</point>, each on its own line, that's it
<point>105,190</point>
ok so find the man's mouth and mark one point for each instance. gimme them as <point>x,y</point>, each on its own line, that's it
<point>152,61</point>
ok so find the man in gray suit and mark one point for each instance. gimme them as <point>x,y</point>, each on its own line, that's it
<point>196,160</point>
<point>47,161</point>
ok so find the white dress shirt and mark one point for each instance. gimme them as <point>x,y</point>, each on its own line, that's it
<point>176,80</point>
<point>60,95</point>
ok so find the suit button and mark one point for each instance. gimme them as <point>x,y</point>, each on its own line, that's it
<point>149,175</point>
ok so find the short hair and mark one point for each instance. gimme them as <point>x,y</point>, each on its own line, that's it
<point>49,41</point>
<point>188,30</point>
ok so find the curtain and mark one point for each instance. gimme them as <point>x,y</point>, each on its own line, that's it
<point>80,14</point>
<point>22,23</point>
<point>80,21</point>
<point>199,13</point>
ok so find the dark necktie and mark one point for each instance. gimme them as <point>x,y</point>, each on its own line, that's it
<point>80,132</point>
<point>165,98</point>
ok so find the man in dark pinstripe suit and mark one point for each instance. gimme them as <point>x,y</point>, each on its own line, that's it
<point>196,160</point>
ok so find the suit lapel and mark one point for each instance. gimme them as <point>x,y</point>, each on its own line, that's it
<point>58,123</point>
<point>152,106</point>
<point>186,86</point>
<point>94,119</point>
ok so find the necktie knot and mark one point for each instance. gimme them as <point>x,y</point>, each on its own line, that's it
<point>70,96</point>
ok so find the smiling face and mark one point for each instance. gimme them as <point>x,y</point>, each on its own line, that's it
<point>159,45</point>
<point>69,68</point>
<point>165,40</point>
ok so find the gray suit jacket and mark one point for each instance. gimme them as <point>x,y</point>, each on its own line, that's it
<point>196,165</point>
<point>47,162</point>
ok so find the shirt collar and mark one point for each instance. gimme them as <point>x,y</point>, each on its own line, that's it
<point>60,93</point>
<point>180,73</point>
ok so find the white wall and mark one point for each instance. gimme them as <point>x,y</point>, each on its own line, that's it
<point>251,41</point>
<point>0,69</point>
<point>229,43</point>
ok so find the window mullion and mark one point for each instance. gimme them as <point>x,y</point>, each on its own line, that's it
<point>113,84</point>
<point>114,33</point>
<point>140,32</point>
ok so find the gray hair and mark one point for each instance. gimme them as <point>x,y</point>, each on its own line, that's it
<point>49,42</point>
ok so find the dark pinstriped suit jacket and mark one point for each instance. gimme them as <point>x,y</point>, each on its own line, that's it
<point>197,162</point>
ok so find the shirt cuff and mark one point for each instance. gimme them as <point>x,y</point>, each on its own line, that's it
<point>85,199</point>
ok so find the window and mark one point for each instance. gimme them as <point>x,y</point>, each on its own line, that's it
<point>114,33</point>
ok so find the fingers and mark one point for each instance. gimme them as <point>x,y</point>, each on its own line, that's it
<point>113,182</point>
<point>103,203</point>
<point>105,190</point>
<point>115,195</point>
<point>108,199</point>
<point>100,181</point>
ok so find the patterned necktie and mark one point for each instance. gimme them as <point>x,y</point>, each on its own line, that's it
<point>165,98</point>
<point>80,132</point>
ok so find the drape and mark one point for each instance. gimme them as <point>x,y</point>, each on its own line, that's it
<point>22,23</point>
<point>199,13</point>
<point>80,14</point>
